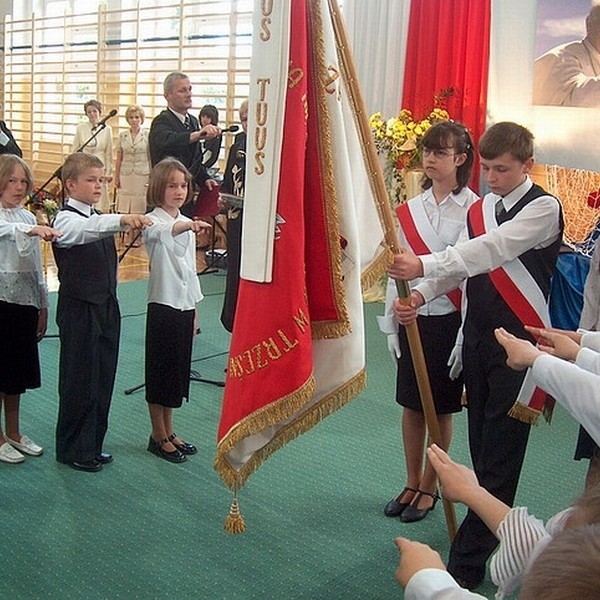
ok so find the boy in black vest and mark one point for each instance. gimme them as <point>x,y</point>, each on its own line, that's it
<point>507,258</point>
<point>87,314</point>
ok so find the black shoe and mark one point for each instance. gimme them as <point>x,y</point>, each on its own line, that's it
<point>91,466</point>
<point>104,458</point>
<point>157,448</point>
<point>184,447</point>
<point>412,514</point>
<point>395,507</point>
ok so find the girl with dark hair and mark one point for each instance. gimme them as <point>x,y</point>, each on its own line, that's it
<point>209,115</point>
<point>430,222</point>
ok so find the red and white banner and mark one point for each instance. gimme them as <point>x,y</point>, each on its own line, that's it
<point>311,232</point>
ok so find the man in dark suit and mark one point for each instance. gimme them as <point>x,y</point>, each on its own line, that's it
<point>8,144</point>
<point>177,133</point>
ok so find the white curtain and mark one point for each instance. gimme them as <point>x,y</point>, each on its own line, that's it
<point>378,30</point>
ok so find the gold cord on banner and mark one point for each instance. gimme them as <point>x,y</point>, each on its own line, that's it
<point>234,523</point>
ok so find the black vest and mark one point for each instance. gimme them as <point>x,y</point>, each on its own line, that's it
<point>486,309</point>
<point>87,272</point>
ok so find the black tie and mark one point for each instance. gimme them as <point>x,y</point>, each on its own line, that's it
<point>186,122</point>
<point>500,211</point>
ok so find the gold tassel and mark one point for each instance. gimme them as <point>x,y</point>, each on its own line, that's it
<point>234,523</point>
<point>524,413</point>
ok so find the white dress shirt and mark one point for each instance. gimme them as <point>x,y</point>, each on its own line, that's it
<point>173,278</point>
<point>436,584</point>
<point>78,229</point>
<point>533,227</point>
<point>448,220</point>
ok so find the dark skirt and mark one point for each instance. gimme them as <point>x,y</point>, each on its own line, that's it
<point>438,335</point>
<point>19,359</point>
<point>169,337</point>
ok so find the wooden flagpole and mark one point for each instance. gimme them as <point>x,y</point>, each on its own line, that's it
<point>391,239</point>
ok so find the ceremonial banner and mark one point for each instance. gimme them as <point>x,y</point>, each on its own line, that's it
<point>311,231</point>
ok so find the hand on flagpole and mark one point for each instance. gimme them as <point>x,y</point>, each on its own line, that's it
<point>406,312</point>
<point>406,266</point>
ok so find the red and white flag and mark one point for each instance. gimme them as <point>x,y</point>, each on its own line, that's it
<point>311,232</point>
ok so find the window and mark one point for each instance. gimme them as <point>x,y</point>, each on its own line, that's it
<point>120,56</point>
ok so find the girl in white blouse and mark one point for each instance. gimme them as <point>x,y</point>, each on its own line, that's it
<point>173,291</point>
<point>23,303</point>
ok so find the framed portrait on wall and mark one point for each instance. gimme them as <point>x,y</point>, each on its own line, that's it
<point>567,50</point>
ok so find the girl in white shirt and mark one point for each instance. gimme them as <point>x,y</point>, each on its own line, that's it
<point>23,303</point>
<point>429,222</point>
<point>173,291</point>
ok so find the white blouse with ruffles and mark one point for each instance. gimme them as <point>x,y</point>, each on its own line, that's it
<point>21,276</point>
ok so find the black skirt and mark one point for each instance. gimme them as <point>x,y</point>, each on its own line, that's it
<point>169,337</point>
<point>19,359</point>
<point>438,335</point>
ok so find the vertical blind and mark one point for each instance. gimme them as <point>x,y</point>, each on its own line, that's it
<point>52,65</point>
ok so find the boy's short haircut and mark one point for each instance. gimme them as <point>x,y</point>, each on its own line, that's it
<point>567,568</point>
<point>506,138</point>
<point>8,162</point>
<point>75,164</point>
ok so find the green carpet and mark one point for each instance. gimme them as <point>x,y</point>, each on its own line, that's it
<point>144,528</point>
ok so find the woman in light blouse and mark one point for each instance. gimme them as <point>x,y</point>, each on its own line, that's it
<point>100,145</point>
<point>132,167</point>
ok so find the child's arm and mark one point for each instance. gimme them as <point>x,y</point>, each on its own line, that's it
<point>459,484</point>
<point>180,227</point>
<point>134,221</point>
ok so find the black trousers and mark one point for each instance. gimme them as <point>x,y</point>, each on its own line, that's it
<point>497,445</point>
<point>89,347</point>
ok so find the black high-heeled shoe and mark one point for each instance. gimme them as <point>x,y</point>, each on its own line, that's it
<point>412,514</point>
<point>184,447</point>
<point>395,507</point>
<point>157,448</point>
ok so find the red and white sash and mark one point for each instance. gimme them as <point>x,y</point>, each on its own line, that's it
<point>422,237</point>
<point>525,299</point>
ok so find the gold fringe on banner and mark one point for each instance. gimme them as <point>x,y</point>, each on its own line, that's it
<point>235,480</point>
<point>524,413</point>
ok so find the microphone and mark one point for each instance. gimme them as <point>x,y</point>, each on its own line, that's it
<point>230,129</point>
<point>110,115</point>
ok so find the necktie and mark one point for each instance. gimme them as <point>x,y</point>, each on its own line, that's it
<point>186,122</point>
<point>500,211</point>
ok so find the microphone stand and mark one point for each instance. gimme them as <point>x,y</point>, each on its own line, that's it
<point>57,173</point>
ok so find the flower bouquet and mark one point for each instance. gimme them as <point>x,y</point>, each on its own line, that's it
<point>43,205</point>
<point>398,139</point>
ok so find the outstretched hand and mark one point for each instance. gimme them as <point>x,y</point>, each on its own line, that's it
<point>564,344</point>
<point>456,480</point>
<point>48,234</point>
<point>136,221</point>
<point>521,353</point>
<point>415,556</point>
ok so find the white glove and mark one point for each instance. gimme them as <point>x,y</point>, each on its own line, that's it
<point>394,347</point>
<point>455,361</point>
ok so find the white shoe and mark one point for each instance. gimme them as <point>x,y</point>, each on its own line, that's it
<point>26,446</point>
<point>9,454</point>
